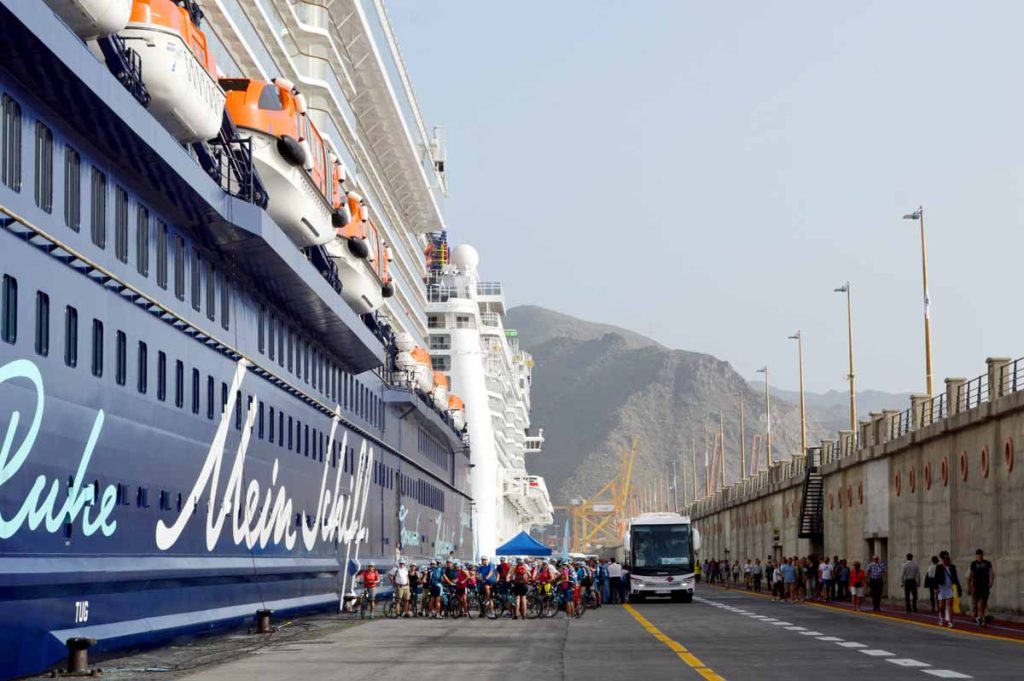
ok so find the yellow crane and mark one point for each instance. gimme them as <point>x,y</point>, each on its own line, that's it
<point>601,519</point>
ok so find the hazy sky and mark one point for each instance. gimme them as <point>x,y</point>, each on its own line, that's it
<point>711,171</point>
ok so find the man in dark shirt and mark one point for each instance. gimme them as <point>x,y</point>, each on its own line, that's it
<point>979,586</point>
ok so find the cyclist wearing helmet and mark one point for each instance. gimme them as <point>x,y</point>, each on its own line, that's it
<point>486,576</point>
<point>435,579</point>
<point>520,576</point>
<point>544,578</point>
<point>371,580</point>
<point>566,583</point>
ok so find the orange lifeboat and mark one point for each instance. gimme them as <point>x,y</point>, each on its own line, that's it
<point>457,409</point>
<point>177,68</point>
<point>301,175</point>
<point>423,376</point>
<point>91,19</point>
<point>440,391</point>
<point>362,257</point>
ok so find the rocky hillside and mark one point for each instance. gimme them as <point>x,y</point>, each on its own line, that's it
<point>597,386</point>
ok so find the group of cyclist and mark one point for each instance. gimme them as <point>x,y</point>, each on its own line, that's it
<point>451,587</point>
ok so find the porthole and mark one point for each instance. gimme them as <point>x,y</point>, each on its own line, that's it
<point>897,483</point>
<point>963,465</point>
<point>912,480</point>
<point>1008,454</point>
<point>984,462</point>
<point>945,473</point>
<point>927,476</point>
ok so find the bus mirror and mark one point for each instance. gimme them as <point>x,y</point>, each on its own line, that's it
<point>696,539</point>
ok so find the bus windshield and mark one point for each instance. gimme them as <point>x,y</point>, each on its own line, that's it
<point>660,546</point>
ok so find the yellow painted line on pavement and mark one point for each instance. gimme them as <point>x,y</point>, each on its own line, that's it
<point>678,648</point>
<point>878,615</point>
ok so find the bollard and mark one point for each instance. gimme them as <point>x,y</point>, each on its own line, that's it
<point>263,621</point>
<point>78,656</point>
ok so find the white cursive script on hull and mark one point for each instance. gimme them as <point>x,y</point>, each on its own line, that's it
<point>37,508</point>
<point>255,524</point>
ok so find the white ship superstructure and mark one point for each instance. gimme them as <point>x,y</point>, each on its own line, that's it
<point>493,374</point>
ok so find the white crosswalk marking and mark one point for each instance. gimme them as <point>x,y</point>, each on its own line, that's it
<point>850,644</point>
<point>907,662</point>
<point>810,633</point>
<point>875,652</point>
<point>797,628</point>
<point>946,674</point>
<point>830,639</point>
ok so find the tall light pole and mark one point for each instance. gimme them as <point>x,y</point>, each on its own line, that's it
<point>798,337</point>
<point>767,414</point>
<point>845,288</point>
<point>693,466</point>
<point>919,216</point>
<point>721,436</point>
<point>707,475</point>
<point>743,444</point>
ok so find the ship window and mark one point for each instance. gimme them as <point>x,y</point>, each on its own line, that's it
<point>179,383</point>
<point>211,291</point>
<point>290,434</point>
<point>261,319</point>
<point>71,336</point>
<point>441,363</point>
<point>121,359</point>
<point>10,164</point>
<point>121,224</point>
<point>280,343</point>
<point>195,391</point>
<point>291,347</point>
<point>238,410</point>
<point>97,348</point>
<point>270,433</point>
<point>142,240</point>
<point>225,303</point>
<point>280,429</point>
<point>161,376</point>
<point>259,432</point>
<point>234,84</point>
<point>270,98</point>
<point>143,368</point>
<point>179,267</point>
<point>9,332</point>
<point>210,397</point>
<point>44,167</point>
<point>72,188</point>
<point>196,279</point>
<point>42,324</point>
<point>440,342</point>
<point>161,254</point>
<point>305,361</point>
<point>305,431</point>
<point>99,208</point>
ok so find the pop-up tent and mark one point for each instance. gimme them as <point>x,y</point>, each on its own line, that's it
<point>523,545</point>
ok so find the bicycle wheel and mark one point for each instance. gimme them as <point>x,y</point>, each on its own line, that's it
<point>534,607</point>
<point>579,609</point>
<point>490,609</point>
<point>551,606</point>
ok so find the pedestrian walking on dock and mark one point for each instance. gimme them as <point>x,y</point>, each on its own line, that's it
<point>756,574</point>
<point>399,579</point>
<point>929,583</point>
<point>876,581</point>
<point>910,577</point>
<point>980,580</point>
<point>614,581</point>
<point>947,580</point>
<point>778,583</point>
<point>857,579</point>
<point>843,581</point>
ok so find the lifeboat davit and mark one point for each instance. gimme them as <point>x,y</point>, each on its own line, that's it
<point>361,256</point>
<point>457,409</point>
<point>291,156</point>
<point>91,19</point>
<point>177,68</point>
<point>440,392</point>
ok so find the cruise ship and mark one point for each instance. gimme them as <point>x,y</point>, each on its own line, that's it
<point>468,339</point>
<point>216,393</point>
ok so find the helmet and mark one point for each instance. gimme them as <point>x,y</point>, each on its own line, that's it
<point>504,559</point>
<point>483,559</point>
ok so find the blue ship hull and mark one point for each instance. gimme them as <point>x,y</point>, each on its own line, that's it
<point>182,441</point>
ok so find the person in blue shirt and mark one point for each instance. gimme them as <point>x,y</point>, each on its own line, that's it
<point>601,580</point>
<point>435,577</point>
<point>788,579</point>
<point>487,576</point>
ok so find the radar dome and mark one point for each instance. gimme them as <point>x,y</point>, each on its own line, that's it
<point>465,257</point>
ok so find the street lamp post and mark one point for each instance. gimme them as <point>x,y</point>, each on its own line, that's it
<point>743,444</point>
<point>767,414</point>
<point>845,288</point>
<point>798,337</point>
<point>919,216</point>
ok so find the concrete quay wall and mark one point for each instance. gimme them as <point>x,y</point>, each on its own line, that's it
<point>942,475</point>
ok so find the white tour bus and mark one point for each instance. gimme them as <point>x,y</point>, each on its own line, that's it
<point>660,551</point>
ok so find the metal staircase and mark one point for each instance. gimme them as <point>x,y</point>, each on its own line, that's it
<point>126,66</point>
<point>811,507</point>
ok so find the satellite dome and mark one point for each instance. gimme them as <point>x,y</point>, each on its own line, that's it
<point>465,257</point>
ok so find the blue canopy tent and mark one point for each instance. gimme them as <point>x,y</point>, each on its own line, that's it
<point>522,545</point>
